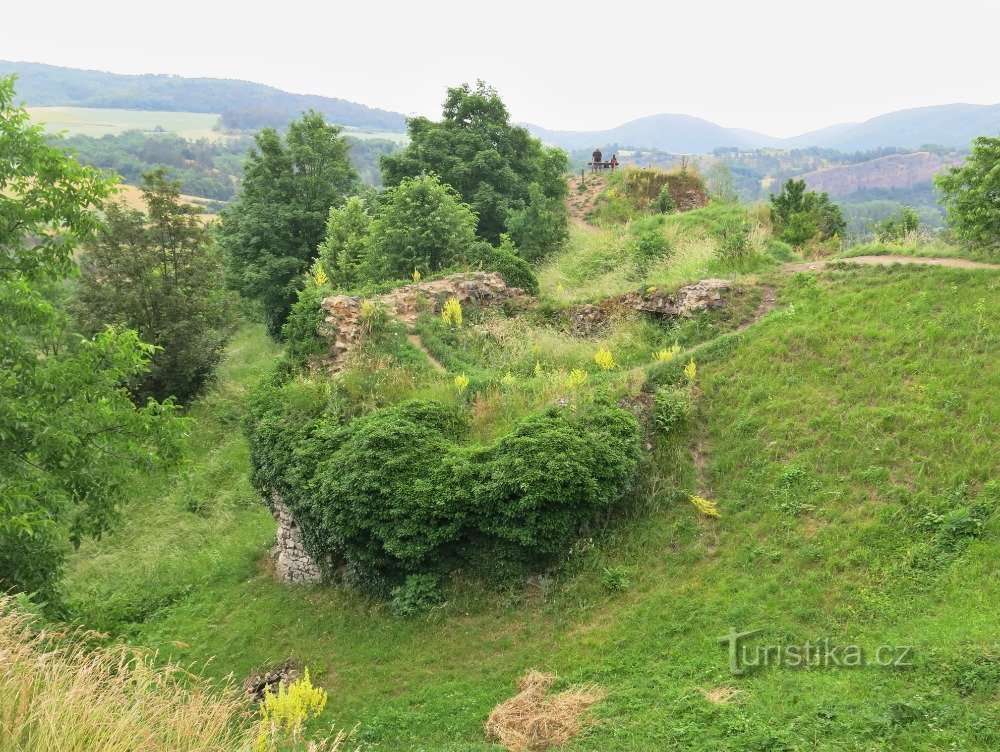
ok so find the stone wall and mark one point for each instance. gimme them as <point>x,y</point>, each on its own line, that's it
<point>291,561</point>
<point>708,294</point>
<point>344,329</point>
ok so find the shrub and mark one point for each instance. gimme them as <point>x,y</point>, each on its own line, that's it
<point>540,227</point>
<point>396,492</point>
<point>301,330</point>
<point>665,202</point>
<point>419,593</point>
<point>649,242</point>
<point>516,272</point>
<point>895,229</point>
<point>615,579</point>
<point>672,409</point>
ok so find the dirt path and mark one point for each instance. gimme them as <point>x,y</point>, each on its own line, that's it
<point>580,203</point>
<point>415,340</point>
<point>954,263</point>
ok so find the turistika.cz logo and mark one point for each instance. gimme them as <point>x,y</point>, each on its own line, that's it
<point>746,655</point>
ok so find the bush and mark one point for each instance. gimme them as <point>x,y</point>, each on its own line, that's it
<point>672,409</point>
<point>419,593</point>
<point>650,243</point>
<point>301,330</point>
<point>396,492</point>
<point>504,260</point>
<point>665,202</point>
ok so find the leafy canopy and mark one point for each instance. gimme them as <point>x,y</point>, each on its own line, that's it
<point>70,434</point>
<point>800,216</point>
<point>476,150</point>
<point>971,195</point>
<point>271,235</point>
<point>158,273</point>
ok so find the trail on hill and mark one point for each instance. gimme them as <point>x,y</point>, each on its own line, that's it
<point>580,203</point>
<point>419,344</point>
<point>809,266</point>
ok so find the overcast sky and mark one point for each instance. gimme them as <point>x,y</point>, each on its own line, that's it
<point>777,67</point>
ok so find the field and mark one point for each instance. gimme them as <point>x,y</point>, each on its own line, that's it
<point>848,438</point>
<point>92,121</point>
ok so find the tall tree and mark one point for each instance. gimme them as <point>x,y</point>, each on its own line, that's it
<point>158,272</point>
<point>799,215</point>
<point>971,195</point>
<point>271,235</point>
<point>70,434</point>
<point>476,150</point>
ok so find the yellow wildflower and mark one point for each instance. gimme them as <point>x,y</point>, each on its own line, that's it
<point>706,507</point>
<point>451,312</point>
<point>604,359</point>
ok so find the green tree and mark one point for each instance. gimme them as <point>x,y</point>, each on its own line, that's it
<point>347,243</point>
<point>271,235</point>
<point>540,226</point>
<point>70,434</point>
<point>475,149</point>
<point>896,228</point>
<point>971,195</point>
<point>721,188</point>
<point>158,272</point>
<point>421,224</point>
<point>800,215</point>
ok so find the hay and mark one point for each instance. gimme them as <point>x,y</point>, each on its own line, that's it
<point>531,720</point>
<point>719,695</point>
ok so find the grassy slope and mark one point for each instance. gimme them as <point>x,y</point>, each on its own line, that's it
<point>830,427</point>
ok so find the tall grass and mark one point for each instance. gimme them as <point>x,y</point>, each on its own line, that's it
<point>59,695</point>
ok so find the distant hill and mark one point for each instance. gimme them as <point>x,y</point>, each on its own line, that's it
<point>897,171</point>
<point>673,133</point>
<point>242,104</point>
<point>950,125</point>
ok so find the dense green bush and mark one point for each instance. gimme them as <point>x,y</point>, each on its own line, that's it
<point>505,260</point>
<point>672,409</point>
<point>301,330</point>
<point>398,491</point>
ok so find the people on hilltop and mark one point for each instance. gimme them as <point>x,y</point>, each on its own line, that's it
<point>614,161</point>
<point>598,157</point>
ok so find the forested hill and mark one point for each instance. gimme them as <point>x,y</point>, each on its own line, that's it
<point>242,104</point>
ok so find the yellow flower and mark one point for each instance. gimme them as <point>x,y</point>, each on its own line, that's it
<point>319,276</point>
<point>668,353</point>
<point>507,378</point>
<point>560,289</point>
<point>283,714</point>
<point>650,290</point>
<point>706,507</point>
<point>538,368</point>
<point>577,377</point>
<point>691,371</point>
<point>604,359</point>
<point>451,312</point>
<point>461,382</point>
<point>416,275</point>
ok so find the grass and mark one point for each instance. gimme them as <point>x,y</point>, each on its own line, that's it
<point>920,246</point>
<point>834,436</point>
<point>95,121</point>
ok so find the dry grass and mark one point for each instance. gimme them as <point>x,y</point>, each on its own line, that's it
<point>61,693</point>
<point>534,720</point>
<point>720,695</point>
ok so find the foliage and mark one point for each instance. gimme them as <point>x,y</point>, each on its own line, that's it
<point>451,312</point>
<point>270,236</point>
<point>417,594</point>
<point>301,331</point>
<point>895,229</point>
<point>157,272</point>
<point>421,224</point>
<point>800,216</point>
<point>491,163</point>
<point>665,202</point>
<point>649,242</point>
<point>283,714</point>
<point>705,506</point>
<point>604,359</point>
<point>69,433</point>
<point>672,409</point>
<point>397,492</point>
<point>735,249</point>
<point>969,194</point>
<point>506,261</point>
<point>720,184</point>
<point>347,243</point>
<point>615,579</point>
<point>540,227</point>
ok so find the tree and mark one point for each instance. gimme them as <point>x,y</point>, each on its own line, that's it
<point>540,226</point>
<point>70,435</point>
<point>721,188</point>
<point>158,272</point>
<point>971,195</point>
<point>799,215</point>
<point>421,224</point>
<point>271,235</point>
<point>475,149</point>
<point>347,242</point>
<point>896,228</point>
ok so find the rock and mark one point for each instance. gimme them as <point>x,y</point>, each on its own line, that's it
<point>291,561</point>
<point>267,680</point>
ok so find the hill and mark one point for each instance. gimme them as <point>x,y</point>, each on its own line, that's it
<point>896,171</point>
<point>241,104</point>
<point>950,125</point>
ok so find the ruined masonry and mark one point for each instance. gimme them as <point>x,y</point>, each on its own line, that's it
<point>291,561</point>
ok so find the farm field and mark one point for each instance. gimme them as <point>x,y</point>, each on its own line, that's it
<point>93,121</point>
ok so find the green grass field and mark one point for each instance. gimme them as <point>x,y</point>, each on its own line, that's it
<point>849,439</point>
<point>93,121</point>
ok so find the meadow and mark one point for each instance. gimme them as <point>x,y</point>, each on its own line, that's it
<point>847,437</point>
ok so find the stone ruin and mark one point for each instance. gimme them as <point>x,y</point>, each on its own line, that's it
<point>291,562</point>
<point>344,329</point>
<point>708,294</point>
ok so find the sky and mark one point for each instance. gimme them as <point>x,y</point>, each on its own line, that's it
<point>781,68</point>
